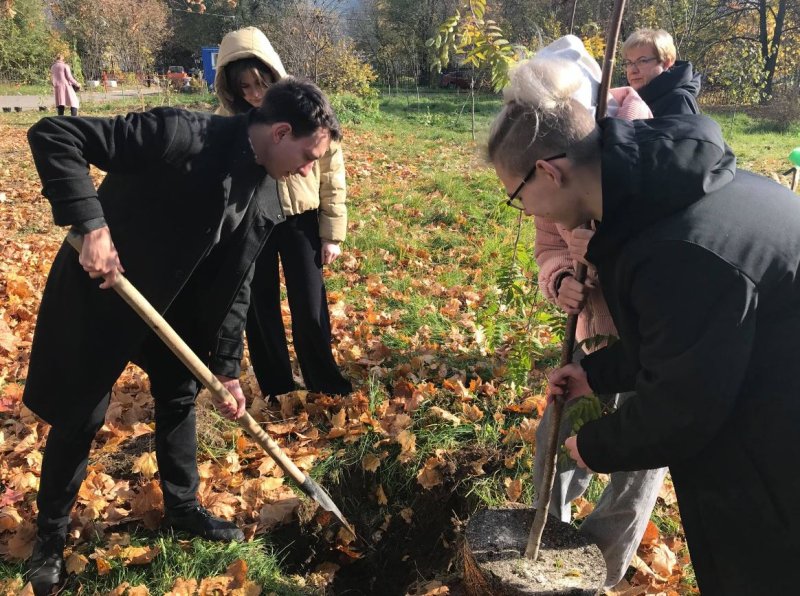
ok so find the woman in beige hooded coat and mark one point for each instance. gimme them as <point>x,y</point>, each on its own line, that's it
<point>316,223</point>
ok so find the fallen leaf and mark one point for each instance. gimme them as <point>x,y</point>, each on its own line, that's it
<point>583,507</point>
<point>513,489</point>
<point>527,430</point>
<point>472,412</point>
<point>75,563</point>
<point>651,534</point>
<point>381,496</point>
<point>408,445</point>
<point>183,587</point>
<point>370,462</point>
<point>238,571</point>
<point>664,560</point>
<point>146,465</point>
<point>407,514</point>
<point>429,475</point>
<point>20,545</point>
<point>8,341</point>
<point>445,415</point>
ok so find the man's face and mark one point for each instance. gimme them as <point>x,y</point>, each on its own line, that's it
<point>283,154</point>
<point>642,65</point>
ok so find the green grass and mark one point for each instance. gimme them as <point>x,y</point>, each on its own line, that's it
<point>45,89</point>
<point>195,559</point>
<point>760,144</point>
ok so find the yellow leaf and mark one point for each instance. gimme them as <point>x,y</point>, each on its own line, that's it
<point>238,571</point>
<point>472,412</point>
<point>370,462</point>
<point>103,566</point>
<point>513,489</point>
<point>527,430</point>
<point>429,476</point>
<point>139,555</point>
<point>408,445</point>
<point>76,563</point>
<point>8,341</point>
<point>583,507</point>
<point>445,415</point>
<point>146,465</point>
<point>338,419</point>
<point>119,590</point>
<point>664,560</point>
<point>407,514</point>
<point>183,587</point>
<point>9,518</point>
<point>381,496</point>
<point>278,513</point>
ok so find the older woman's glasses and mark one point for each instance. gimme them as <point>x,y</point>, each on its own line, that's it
<point>514,199</point>
<point>637,63</point>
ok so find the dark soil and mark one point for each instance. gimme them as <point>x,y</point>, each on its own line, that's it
<point>396,554</point>
<point>568,563</point>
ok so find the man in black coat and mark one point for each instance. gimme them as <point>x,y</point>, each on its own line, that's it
<point>667,86</point>
<point>188,201</point>
<point>700,265</point>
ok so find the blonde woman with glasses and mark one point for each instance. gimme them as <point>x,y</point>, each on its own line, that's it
<point>668,86</point>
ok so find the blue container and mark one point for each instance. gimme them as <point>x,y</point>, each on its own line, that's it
<point>209,56</point>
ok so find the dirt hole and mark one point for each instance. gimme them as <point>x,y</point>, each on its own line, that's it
<point>396,554</point>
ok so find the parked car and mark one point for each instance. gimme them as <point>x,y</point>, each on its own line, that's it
<point>177,76</point>
<point>457,79</point>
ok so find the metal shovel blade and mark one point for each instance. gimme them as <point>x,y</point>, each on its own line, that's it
<point>316,492</point>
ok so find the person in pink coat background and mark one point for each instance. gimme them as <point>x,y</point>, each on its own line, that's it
<point>64,87</point>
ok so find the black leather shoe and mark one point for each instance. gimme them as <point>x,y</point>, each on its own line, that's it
<point>46,565</point>
<point>197,521</point>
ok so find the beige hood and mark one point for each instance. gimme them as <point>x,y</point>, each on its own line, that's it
<point>249,42</point>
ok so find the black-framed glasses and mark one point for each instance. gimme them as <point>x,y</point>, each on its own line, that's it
<point>637,63</point>
<point>513,199</point>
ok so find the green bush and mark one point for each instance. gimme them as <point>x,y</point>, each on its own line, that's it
<point>351,108</point>
<point>27,45</point>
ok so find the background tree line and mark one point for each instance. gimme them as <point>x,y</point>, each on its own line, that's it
<point>748,50</point>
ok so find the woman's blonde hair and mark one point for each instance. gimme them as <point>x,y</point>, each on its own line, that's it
<point>658,39</point>
<point>541,118</point>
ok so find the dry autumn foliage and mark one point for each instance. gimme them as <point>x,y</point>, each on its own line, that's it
<point>244,484</point>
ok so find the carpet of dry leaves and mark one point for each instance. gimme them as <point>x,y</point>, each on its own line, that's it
<point>243,484</point>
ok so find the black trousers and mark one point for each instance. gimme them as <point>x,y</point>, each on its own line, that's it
<point>174,390</point>
<point>296,243</point>
<point>72,111</point>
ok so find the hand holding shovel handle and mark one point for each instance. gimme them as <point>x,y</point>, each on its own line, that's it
<point>218,391</point>
<point>568,347</point>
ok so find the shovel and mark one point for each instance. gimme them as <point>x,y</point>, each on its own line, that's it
<point>185,354</point>
<point>568,347</point>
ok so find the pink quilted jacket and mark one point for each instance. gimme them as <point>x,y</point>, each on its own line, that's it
<point>551,247</point>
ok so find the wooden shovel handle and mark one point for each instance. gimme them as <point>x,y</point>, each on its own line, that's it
<point>568,347</point>
<point>174,342</point>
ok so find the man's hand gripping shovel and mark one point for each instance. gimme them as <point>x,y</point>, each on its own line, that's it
<point>218,391</point>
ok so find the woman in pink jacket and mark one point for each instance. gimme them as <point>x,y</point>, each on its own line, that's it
<point>64,87</point>
<point>620,517</point>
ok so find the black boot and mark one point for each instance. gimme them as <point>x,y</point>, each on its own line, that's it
<point>46,565</point>
<point>197,521</point>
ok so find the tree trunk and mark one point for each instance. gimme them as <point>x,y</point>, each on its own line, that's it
<point>770,48</point>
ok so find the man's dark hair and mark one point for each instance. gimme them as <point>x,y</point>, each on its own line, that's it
<point>300,103</point>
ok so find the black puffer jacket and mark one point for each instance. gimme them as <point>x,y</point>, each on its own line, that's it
<point>700,266</point>
<point>673,92</point>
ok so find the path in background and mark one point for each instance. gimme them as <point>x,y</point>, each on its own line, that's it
<point>32,102</point>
